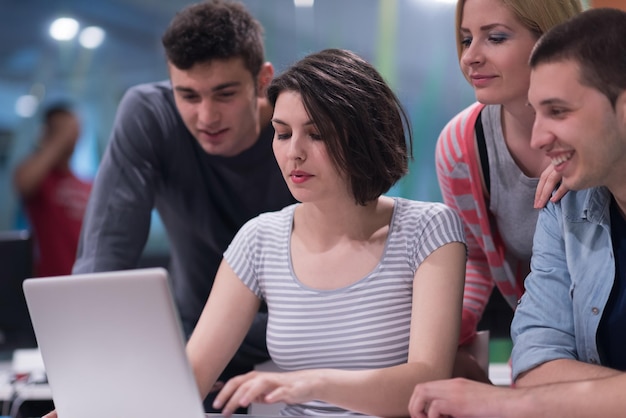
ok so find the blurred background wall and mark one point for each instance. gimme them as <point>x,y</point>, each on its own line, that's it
<point>410,41</point>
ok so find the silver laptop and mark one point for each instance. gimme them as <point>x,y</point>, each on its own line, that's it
<point>112,345</point>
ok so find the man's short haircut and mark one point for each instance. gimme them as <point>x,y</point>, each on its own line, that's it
<point>358,116</point>
<point>214,29</point>
<point>596,41</point>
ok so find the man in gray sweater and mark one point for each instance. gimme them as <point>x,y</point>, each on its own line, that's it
<point>198,149</point>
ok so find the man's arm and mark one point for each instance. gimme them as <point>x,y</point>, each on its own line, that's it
<point>563,370</point>
<point>117,220</point>
<point>545,346</point>
<point>56,147</point>
<point>463,398</point>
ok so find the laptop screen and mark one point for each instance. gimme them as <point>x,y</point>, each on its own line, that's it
<point>112,345</point>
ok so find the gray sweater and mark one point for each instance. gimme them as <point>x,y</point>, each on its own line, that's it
<point>152,161</point>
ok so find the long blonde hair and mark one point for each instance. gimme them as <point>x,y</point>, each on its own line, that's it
<point>537,15</point>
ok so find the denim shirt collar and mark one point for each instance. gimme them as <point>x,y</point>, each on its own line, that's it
<point>592,206</point>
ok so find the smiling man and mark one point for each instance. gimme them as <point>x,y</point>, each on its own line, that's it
<point>198,149</point>
<point>569,324</point>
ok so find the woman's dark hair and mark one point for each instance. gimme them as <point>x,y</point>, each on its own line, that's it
<point>358,116</point>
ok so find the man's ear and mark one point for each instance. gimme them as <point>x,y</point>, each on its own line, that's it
<point>264,78</point>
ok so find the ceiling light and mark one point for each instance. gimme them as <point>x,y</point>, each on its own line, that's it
<point>303,3</point>
<point>91,37</point>
<point>64,29</point>
<point>26,105</point>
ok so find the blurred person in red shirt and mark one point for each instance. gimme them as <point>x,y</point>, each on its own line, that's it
<point>53,197</point>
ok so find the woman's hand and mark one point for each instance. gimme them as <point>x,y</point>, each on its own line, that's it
<point>547,183</point>
<point>264,387</point>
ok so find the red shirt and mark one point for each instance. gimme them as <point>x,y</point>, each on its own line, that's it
<point>56,214</point>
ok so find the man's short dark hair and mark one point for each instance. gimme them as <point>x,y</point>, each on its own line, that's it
<point>214,29</point>
<point>596,41</point>
<point>358,116</point>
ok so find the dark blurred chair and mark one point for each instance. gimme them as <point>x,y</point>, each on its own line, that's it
<point>16,264</point>
<point>16,330</point>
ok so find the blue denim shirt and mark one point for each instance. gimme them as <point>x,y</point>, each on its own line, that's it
<point>572,274</point>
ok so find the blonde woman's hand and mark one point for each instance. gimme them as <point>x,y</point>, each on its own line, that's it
<point>547,183</point>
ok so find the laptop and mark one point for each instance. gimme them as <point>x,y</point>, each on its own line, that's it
<point>112,345</point>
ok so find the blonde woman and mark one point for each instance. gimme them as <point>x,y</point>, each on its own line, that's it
<point>486,168</point>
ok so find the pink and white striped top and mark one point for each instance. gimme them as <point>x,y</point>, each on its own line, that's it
<point>459,175</point>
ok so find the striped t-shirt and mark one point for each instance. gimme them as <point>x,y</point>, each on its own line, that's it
<point>362,326</point>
